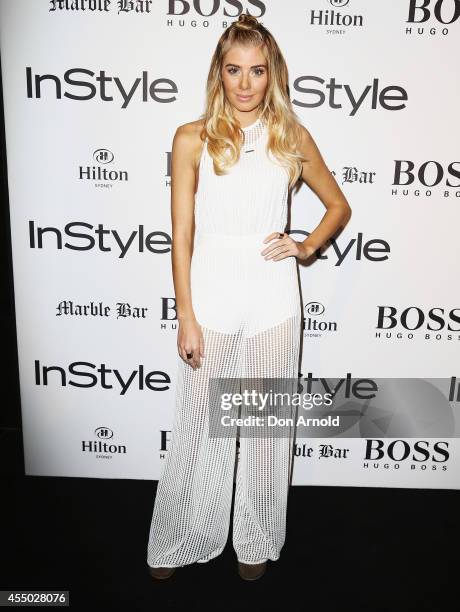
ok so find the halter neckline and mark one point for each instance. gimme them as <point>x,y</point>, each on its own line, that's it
<point>251,125</point>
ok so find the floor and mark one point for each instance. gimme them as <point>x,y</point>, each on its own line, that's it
<point>346,548</point>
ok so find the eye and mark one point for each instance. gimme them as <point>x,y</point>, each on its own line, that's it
<point>257,71</point>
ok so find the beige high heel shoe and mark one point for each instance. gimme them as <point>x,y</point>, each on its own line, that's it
<point>251,571</point>
<point>161,573</point>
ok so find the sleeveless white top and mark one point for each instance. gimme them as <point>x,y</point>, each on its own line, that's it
<point>250,198</point>
<point>233,286</point>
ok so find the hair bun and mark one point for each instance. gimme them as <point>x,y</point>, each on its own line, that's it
<point>247,20</point>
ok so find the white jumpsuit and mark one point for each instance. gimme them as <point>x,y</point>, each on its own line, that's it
<point>250,314</point>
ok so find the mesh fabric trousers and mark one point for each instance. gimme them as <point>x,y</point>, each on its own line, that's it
<point>191,515</point>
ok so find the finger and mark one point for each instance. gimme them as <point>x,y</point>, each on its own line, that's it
<point>281,253</point>
<point>201,346</point>
<point>271,236</point>
<point>187,351</point>
<point>274,250</point>
<point>287,253</point>
<point>273,246</point>
<point>195,360</point>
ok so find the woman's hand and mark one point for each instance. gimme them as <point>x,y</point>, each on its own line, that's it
<point>285,246</point>
<point>190,341</point>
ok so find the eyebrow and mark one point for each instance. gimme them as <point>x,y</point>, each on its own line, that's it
<point>256,66</point>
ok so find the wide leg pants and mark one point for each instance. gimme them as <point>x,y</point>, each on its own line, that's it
<point>191,514</point>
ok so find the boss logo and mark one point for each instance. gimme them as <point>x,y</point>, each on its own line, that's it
<point>401,450</point>
<point>444,11</point>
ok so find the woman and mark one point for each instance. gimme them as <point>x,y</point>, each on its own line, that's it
<point>238,300</point>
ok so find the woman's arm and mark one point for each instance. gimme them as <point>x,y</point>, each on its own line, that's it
<point>317,176</point>
<point>182,216</point>
<point>186,144</point>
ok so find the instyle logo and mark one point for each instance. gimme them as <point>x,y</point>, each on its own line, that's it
<point>103,177</point>
<point>349,386</point>
<point>87,375</point>
<point>394,323</point>
<point>338,95</point>
<point>373,250</point>
<point>419,455</point>
<point>102,448</point>
<point>142,89</point>
<point>426,178</point>
<point>431,17</point>
<point>98,238</point>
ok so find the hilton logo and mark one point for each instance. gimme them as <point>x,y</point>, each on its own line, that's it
<point>316,327</point>
<point>104,177</point>
<point>335,19</point>
<point>101,447</point>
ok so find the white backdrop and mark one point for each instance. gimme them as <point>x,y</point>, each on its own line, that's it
<point>93,93</point>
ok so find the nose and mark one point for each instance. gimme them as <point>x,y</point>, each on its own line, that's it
<point>245,81</point>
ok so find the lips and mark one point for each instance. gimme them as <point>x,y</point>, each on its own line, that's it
<point>243,98</point>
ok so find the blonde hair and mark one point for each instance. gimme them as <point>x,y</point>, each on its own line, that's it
<point>221,127</point>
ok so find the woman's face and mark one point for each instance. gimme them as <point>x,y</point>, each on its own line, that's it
<point>244,77</point>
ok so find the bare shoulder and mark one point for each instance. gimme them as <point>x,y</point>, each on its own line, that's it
<point>187,141</point>
<point>191,129</point>
<point>306,141</point>
<point>308,148</point>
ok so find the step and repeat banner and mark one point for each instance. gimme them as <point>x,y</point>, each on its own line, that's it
<point>93,93</point>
